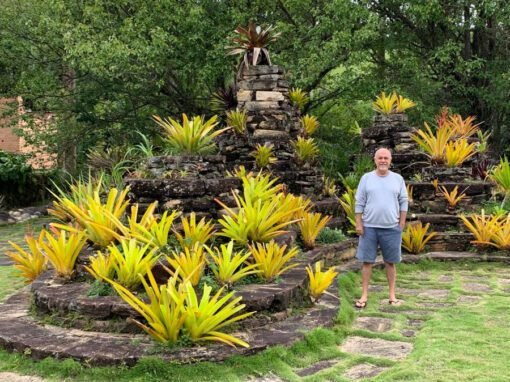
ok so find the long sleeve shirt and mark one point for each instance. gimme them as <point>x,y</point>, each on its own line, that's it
<point>380,199</point>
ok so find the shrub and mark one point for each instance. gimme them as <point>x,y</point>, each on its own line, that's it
<point>500,174</point>
<point>101,266</point>
<point>392,104</point>
<point>309,123</point>
<point>193,232</point>
<point>306,150</point>
<point>195,136</point>
<point>271,259</point>
<point>482,227</point>
<point>237,119</point>
<point>206,316</point>
<point>330,235</point>
<point>158,231</point>
<point>348,203</point>
<point>251,42</point>
<point>457,152</point>
<point>434,144</point>
<point>310,226</point>
<point>259,220</point>
<point>414,237</point>
<point>319,281</point>
<point>227,265</point>
<point>132,260</point>
<point>452,198</point>
<point>263,155</point>
<point>62,249</point>
<point>31,263</point>
<point>298,98</point>
<point>189,264</point>
<point>101,221</point>
<point>164,314</point>
<point>262,186</point>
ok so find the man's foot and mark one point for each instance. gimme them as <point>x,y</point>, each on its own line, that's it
<point>360,304</point>
<point>395,302</point>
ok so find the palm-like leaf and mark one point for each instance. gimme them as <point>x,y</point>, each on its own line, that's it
<point>482,227</point>
<point>385,104</point>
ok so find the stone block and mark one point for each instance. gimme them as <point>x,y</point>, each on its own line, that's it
<point>244,95</point>
<point>261,70</point>
<point>270,135</point>
<point>261,105</point>
<point>269,96</point>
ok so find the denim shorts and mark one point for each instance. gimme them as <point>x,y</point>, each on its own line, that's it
<point>388,239</point>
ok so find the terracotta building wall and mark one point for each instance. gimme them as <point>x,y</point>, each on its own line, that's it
<point>9,141</point>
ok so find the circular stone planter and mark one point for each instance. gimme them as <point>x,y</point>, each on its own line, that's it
<point>20,331</point>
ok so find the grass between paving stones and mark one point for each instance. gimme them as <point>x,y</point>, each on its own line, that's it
<point>461,342</point>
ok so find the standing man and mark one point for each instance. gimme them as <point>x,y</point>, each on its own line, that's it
<point>381,209</point>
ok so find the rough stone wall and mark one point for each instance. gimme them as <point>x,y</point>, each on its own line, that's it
<point>393,132</point>
<point>263,92</point>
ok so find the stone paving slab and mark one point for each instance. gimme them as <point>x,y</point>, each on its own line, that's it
<point>477,279</point>
<point>446,279</point>
<point>266,378</point>
<point>316,367</point>
<point>13,377</point>
<point>433,305</point>
<point>434,294</point>
<point>373,324</point>
<point>415,323</point>
<point>364,370</point>
<point>376,347</point>
<point>469,299</point>
<point>408,333</point>
<point>476,287</point>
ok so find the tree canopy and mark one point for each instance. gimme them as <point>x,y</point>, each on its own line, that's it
<point>106,66</point>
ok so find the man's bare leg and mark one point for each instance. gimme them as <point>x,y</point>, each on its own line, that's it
<point>391,275</point>
<point>366,274</point>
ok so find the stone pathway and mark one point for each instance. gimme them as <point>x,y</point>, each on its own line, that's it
<point>12,377</point>
<point>372,327</point>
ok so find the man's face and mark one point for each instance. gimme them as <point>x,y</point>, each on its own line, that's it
<point>382,160</point>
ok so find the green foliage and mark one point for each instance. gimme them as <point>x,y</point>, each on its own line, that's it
<point>500,175</point>
<point>306,150</point>
<point>192,136</point>
<point>13,168</point>
<point>298,98</point>
<point>263,155</point>
<point>330,235</point>
<point>237,120</point>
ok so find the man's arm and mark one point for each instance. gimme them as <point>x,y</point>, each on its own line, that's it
<point>359,225</point>
<point>361,200</point>
<point>402,220</point>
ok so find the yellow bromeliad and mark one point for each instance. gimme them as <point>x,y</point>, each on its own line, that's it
<point>31,263</point>
<point>271,259</point>
<point>319,281</point>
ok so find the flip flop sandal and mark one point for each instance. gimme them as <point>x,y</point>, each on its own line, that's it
<point>360,304</point>
<point>394,302</point>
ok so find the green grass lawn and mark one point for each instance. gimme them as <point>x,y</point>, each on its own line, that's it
<point>456,343</point>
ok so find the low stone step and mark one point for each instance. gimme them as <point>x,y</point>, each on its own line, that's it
<point>20,332</point>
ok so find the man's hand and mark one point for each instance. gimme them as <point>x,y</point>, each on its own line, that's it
<point>359,229</point>
<point>402,225</point>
